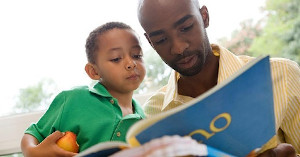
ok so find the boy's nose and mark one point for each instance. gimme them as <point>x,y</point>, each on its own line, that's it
<point>130,65</point>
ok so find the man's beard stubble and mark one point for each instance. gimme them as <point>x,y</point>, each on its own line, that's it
<point>195,69</point>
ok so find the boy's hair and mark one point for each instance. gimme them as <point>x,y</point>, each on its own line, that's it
<point>91,46</point>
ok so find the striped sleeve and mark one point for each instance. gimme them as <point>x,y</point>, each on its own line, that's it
<point>286,87</point>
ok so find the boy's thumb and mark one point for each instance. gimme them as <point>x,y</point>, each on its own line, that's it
<point>55,136</point>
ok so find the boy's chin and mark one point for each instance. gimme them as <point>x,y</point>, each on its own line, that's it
<point>132,88</point>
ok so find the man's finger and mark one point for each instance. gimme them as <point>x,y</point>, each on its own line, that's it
<point>282,150</point>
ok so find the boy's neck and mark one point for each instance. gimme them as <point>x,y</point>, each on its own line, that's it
<point>125,102</point>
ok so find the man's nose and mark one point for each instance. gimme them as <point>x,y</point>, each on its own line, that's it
<point>179,46</point>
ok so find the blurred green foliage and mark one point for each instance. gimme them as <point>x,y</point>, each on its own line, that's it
<point>281,34</point>
<point>35,97</point>
<point>277,34</point>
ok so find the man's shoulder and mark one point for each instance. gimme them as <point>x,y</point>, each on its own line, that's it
<point>245,59</point>
<point>276,62</point>
<point>285,74</point>
<point>283,61</point>
<point>284,64</point>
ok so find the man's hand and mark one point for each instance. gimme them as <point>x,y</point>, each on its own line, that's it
<point>282,150</point>
<point>167,146</point>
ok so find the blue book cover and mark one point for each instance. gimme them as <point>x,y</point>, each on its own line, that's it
<point>236,116</point>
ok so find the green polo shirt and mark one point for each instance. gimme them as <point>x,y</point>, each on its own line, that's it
<point>91,113</point>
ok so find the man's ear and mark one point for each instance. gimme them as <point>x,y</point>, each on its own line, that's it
<point>91,71</point>
<point>205,16</point>
<point>147,37</point>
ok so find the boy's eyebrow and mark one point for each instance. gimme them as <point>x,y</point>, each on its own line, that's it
<point>120,48</point>
<point>137,46</point>
<point>182,20</point>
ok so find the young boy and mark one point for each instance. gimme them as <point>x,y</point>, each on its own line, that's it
<point>100,113</point>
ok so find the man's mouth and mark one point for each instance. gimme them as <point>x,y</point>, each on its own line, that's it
<point>187,62</point>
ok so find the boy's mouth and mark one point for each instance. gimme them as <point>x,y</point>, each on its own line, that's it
<point>133,77</point>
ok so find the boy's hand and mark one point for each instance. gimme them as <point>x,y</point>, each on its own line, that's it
<point>47,148</point>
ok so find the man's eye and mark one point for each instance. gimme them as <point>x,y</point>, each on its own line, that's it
<point>115,59</point>
<point>160,41</point>
<point>185,29</point>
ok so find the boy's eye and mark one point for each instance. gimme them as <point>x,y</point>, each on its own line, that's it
<point>115,59</point>
<point>185,29</point>
<point>138,56</point>
<point>160,41</point>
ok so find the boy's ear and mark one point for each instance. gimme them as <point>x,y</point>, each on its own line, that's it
<point>91,70</point>
<point>147,37</point>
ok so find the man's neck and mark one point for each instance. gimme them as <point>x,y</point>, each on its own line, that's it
<point>196,85</point>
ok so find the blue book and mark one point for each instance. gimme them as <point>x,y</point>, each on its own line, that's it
<point>232,119</point>
<point>236,116</point>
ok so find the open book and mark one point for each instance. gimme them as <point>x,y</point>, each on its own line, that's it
<point>236,116</point>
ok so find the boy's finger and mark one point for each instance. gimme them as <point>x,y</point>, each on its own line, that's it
<point>55,136</point>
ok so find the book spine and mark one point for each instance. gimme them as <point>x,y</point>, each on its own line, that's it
<point>213,152</point>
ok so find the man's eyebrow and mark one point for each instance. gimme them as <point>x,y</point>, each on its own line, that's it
<point>115,49</point>
<point>156,33</point>
<point>182,20</point>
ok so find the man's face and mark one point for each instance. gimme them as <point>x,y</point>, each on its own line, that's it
<point>175,29</point>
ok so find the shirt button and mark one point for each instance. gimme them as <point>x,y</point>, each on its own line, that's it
<point>118,134</point>
<point>112,101</point>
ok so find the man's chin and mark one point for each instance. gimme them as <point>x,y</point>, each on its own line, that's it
<point>188,72</point>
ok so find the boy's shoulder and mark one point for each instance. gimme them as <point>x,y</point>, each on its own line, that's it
<point>78,94</point>
<point>76,91</point>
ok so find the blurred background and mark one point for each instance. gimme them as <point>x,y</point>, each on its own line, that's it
<point>42,42</point>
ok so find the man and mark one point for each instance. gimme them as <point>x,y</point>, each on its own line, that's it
<point>176,30</point>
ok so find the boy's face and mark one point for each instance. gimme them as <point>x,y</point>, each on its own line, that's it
<point>119,60</point>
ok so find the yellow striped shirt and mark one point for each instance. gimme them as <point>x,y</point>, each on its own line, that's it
<point>286,91</point>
